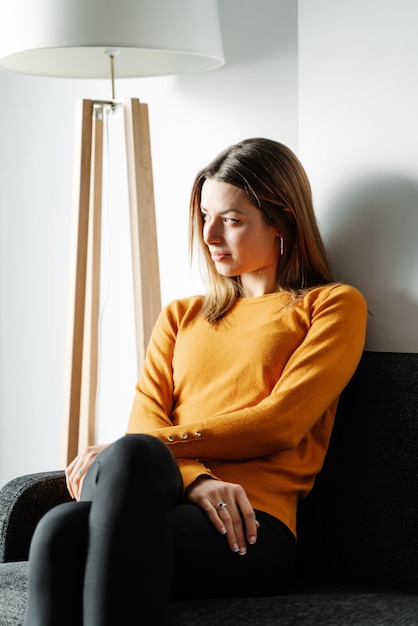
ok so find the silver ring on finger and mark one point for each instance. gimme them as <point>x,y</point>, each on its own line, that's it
<point>221,506</point>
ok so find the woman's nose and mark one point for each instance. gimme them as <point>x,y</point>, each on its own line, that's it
<point>212,232</point>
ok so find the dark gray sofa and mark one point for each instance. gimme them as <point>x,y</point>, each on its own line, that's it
<point>358,529</point>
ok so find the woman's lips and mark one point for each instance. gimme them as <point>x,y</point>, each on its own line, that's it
<point>219,256</point>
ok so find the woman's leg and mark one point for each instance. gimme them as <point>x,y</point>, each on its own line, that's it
<point>114,553</point>
<point>56,567</point>
<point>133,486</point>
<point>205,565</point>
<point>108,560</point>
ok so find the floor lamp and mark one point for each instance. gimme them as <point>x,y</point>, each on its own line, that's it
<point>98,39</point>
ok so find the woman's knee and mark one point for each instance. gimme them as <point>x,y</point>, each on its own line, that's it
<point>131,461</point>
<point>137,452</point>
<point>56,529</point>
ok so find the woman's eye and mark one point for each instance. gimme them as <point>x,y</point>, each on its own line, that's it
<point>226,220</point>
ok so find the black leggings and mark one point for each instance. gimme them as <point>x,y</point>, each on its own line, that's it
<point>131,544</point>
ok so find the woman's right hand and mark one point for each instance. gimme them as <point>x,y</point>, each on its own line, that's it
<point>228,508</point>
<point>77,469</point>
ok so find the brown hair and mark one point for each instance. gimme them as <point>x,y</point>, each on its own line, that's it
<point>273,177</point>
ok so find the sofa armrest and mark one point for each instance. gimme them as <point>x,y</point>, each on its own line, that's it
<point>23,501</point>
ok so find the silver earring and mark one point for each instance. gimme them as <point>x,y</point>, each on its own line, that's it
<point>281,246</point>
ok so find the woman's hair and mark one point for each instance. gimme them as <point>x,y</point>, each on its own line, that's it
<point>274,179</point>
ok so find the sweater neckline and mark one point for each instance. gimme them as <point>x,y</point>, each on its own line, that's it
<point>276,295</point>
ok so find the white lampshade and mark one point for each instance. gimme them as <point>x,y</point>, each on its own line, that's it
<point>68,38</point>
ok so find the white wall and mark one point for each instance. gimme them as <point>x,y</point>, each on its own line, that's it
<point>191,119</point>
<point>359,142</point>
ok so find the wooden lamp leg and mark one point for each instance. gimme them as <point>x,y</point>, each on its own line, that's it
<point>146,274</point>
<point>90,364</point>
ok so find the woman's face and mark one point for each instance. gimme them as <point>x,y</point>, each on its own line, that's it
<point>239,241</point>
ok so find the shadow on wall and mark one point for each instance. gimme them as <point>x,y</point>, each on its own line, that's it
<point>375,247</point>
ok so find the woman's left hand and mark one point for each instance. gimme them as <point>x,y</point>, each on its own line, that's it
<point>78,468</point>
<point>229,510</point>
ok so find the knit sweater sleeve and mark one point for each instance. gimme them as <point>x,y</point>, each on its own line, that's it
<point>151,410</point>
<point>311,381</point>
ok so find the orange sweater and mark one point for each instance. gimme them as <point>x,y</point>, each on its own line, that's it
<point>252,400</point>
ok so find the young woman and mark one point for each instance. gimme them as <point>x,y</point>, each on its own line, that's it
<point>230,422</point>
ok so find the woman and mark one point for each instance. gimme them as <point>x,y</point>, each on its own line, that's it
<point>231,419</point>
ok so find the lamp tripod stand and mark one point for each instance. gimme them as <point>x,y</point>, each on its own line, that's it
<point>83,340</point>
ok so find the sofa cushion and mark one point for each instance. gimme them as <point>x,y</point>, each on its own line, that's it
<point>306,607</point>
<point>360,521</point>
<point>314,608</point>
<point>13,580</point>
